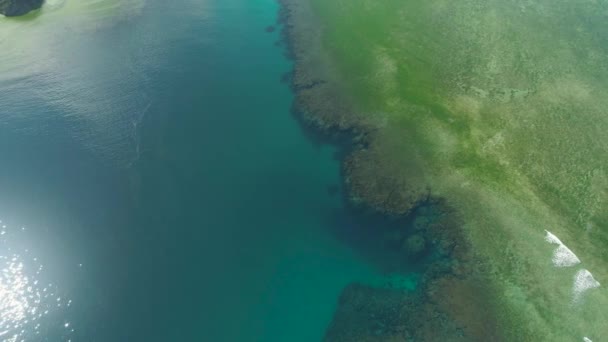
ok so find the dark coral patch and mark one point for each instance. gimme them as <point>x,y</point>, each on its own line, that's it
<point>14,8</point>
<point>450,303</point>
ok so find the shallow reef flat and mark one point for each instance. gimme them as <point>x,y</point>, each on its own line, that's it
<point>499,109</point>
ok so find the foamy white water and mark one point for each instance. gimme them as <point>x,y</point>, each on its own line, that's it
<point>562,256</point>
<point>583,282</point>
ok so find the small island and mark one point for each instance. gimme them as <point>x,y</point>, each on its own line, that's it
<point>14,8</point>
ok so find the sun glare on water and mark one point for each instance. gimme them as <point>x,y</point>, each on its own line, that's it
<point>26,303</point>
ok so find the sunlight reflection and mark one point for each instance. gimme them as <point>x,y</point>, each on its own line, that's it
<point>24,300</point>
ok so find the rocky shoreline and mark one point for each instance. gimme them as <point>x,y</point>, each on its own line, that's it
<point>15,8</point>
<point>449,304</point>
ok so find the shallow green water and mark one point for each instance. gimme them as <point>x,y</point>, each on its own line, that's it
<point>170,194</point>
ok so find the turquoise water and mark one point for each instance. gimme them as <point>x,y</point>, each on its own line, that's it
<point>149,151</point>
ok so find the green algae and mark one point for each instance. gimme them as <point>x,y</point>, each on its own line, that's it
<point>500,108</point>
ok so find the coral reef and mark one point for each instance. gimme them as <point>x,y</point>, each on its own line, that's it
<point>450,304</point>
<point>494,107</point>
<point>428,232</point>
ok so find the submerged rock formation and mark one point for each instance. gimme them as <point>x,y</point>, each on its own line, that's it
<point>14,8</point>
<point>451,302</point>
<point>481,104</point>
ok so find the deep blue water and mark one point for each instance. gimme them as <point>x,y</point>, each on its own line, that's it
<point>149,151</point>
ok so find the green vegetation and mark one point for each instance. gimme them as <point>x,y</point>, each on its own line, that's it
<point>499,107</point>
